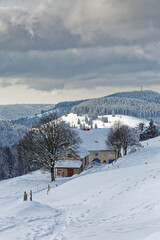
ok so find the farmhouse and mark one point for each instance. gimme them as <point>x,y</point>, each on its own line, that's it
<point>92,150</point>
<point>95,142</point>
<point>102,156</point>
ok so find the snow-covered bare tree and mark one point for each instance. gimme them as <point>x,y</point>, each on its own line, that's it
<point>128,138</point>
<point>121,137</point>
<point>114,139</point>
<point>47,141</point>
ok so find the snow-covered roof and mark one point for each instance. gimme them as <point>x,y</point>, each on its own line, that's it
<point>81,151</point>
<point>68,164</point>
<point>94,140</point>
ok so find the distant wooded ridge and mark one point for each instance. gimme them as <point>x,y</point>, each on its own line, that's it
<point>141,104</point>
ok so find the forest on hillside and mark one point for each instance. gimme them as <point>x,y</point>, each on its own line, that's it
<point>10,135</point>
<point>135,107</point>
<point>149,96</point>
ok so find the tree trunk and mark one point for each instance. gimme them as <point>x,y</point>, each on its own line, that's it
<point>52,173</point>
<point>125,151</point>
<point>119,153</point>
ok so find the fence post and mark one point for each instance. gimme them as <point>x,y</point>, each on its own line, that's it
<point>25,196</point>
<point>30,195</point>
<point>48,188</point>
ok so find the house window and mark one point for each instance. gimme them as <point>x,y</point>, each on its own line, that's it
<point>69,155</point>
<point>96,154</point>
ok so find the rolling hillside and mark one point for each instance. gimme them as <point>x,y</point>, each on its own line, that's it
<point>16,111</point>
<point>118,202</point>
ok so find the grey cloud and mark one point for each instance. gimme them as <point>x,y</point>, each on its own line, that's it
<point>72,62</point>
<point>57,25</point>
<point>52,44</point>
<point>76,68</point>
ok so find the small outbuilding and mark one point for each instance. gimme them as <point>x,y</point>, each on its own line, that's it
<point>67,168</point>
<point>73,162</point>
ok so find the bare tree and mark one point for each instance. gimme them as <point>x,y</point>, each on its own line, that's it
<point>49,140</point>
<point>128,138</point>
<point>120,138</point>
<point>114,139</point>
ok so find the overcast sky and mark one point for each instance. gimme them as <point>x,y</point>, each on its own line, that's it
<point>53,51</point>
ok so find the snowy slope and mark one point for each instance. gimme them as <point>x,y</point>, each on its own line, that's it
<point>118,202</point>
<point>130,121</point>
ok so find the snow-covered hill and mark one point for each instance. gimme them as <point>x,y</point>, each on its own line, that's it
<point>130,121</point>
<point>118,202</point>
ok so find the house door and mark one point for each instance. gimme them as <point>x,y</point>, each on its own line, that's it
<point>70,172</point>
<point>96,160</point>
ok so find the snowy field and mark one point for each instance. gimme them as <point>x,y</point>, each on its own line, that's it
<point>109,202</point>
<point>130,121</point>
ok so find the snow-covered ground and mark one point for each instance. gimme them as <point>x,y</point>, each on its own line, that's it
<point>117,202</point>
<point>130,121</point>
